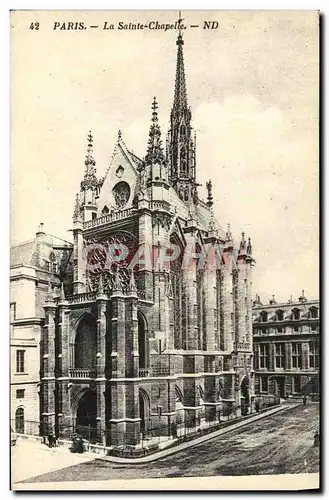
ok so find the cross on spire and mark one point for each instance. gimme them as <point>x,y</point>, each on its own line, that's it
<point>154,152</point>
<point>90,178</point>
<point>154,105</point>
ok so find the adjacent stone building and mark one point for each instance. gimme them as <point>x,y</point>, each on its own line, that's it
<point>34,265</point>
<point>156,331</point>
<point>286,346</point>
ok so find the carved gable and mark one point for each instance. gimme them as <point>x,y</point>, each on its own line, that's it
<point>120,185</point>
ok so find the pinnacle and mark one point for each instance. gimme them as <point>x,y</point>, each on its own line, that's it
<point>154,152</point>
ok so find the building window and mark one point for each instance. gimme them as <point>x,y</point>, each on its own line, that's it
<point>264,331</point>
<point>296,329</point>
<point>296,355</point>
<point>313,355</point>
<point>20,393</point>
<point>279,355</point>
<point>263,384</point>
<point>20,359</point>
<point>94,215</point>
<point>279,315</point>
<point>313,313</point>
<point>263,356</point>
<point>281,329</point>
<point>296,314</point>
<point>263,317</point>
<point>19,421</point>
<point>12,311</point>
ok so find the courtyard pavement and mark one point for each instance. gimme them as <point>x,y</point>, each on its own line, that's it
<point>281,443</point>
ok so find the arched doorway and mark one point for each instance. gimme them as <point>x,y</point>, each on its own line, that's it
<point>142,342</point>
<point>86,415</point>
<point>144,410</point>
<point>85,347</point>
<point>245,396</point>
<point>19,421</point>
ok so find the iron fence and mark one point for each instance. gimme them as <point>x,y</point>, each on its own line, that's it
<point>151,437</point>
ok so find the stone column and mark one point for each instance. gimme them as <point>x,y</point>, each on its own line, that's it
<point>305,356</point>
<point>118,354</point>
<point>101,365</point>
<point>271,356</point>
<point>78,258</point>
<point>133,432</point>
<point>226,303</point>
<point>288,356</point>
<point>118,367</point>
<point>240,303</point>
<point>210,306</point>
<point>49,363</point>
<point>118,413</point>
<point>249,334</point>
<point>210,397</point>
<point>131,323</point>
<point>191,401</point>
<point>145,240</point>
<point>189,272</point>
<point>64,409</point>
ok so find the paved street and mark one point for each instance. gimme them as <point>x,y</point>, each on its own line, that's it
<point>278,444</point>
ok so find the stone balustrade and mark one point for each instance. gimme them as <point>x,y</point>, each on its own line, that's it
<point>82,373</point>
<point>111,217</point>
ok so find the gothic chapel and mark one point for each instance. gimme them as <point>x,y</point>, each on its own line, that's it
<point>131,348</point>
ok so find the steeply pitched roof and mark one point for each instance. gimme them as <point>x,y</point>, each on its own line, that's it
<point>23,254</point>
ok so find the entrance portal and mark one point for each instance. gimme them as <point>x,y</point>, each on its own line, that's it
<point>86,415</point>
<point>142,413</point>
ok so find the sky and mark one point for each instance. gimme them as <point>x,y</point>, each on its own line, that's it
<point>252,85</point>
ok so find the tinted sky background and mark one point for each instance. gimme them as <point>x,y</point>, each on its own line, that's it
<point>253,89</point>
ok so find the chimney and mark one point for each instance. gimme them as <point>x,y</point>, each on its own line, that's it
<point>302,298</point>
<point>40,232</point>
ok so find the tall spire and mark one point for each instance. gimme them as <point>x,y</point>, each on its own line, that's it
<point>155,152</point>
<point>181,151</point>
<point>180,97</point>
<point>90,178</point>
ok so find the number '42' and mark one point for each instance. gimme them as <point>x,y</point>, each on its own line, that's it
<point>34,26</point>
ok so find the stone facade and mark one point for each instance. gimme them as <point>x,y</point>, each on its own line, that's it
<point>156,332</point>
<point>286,347</point>
<point>33,266</point>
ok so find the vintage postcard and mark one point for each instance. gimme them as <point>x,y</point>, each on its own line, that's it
<point>164,272</point>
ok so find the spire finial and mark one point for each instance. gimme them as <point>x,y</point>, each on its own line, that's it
<point>119,135</point>
<point>62,295</point>
<point>132,283</point>
<point>50,295</point>
<point>212,223</point>
<point>180,98</point>
<point>209,197</point>
<point>76,212</point>
<point>155,152</point>
<point>249,247</point>
<point>243,242</point>
<point>228,233</point>
<point>90,178</point>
